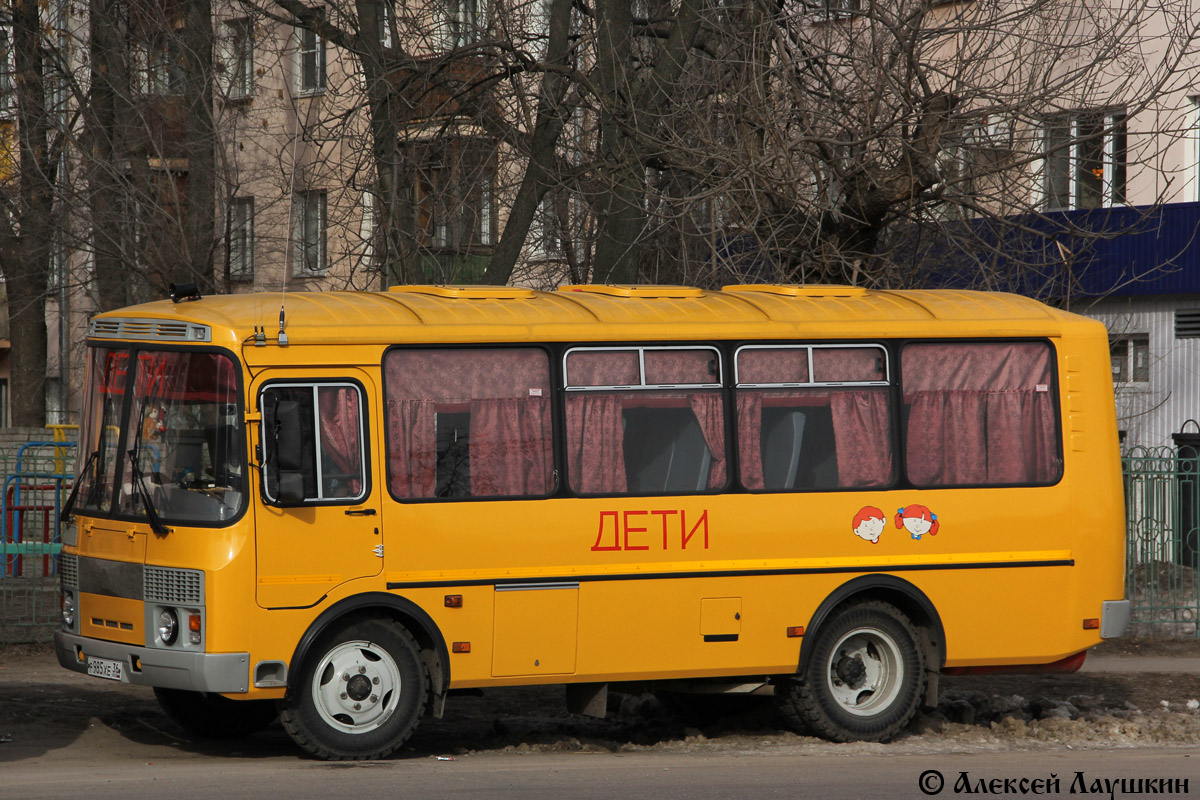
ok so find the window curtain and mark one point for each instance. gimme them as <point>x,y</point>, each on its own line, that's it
<point>412,448</point>
<point>595,443</point>
<point>1021,444</point>
<point>863,438</point>
<point>947,441</point>
<point>510,447</point>
<point>338,413</point>
<point>980,414</point>
<point>709,411</point>
<point>749,437</point>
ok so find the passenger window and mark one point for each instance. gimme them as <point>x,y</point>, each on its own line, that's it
<point>813,417</point>
<point>980,414</point>
<point>469,423</point>
<point>644,420</point>
<point>313,435</point>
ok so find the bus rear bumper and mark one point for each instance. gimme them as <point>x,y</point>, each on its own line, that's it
<point>1114,618</point>
<point>227,673</point>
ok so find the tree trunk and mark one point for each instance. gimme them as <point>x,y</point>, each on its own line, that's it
<point>200,146</point>
<point>25,255</point>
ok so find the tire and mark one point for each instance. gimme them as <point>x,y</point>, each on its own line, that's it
<point>360,694</point>
<point>211,716</point>
<point>865,679</point>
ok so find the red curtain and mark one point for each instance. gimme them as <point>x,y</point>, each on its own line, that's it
<point>749,437</point>
<point>595,443</point>
<point>412,448</point>
<point>709,411</point>
<point>863,437</point>
<point>980,413</point>
<point>338,412</point>
<point>510,447</point>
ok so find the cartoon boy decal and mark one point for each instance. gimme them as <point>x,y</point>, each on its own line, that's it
<point>868,523</point>
<point>918,520</point>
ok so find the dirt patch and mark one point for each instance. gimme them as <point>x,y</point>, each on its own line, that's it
<point>44,707</point>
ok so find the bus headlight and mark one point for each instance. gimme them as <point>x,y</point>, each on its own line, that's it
<point>168,626</point>
<point>68,610</point>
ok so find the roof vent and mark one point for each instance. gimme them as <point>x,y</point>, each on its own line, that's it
<point>650,292</point>
<point>468,292</point>
<point>797,290</point>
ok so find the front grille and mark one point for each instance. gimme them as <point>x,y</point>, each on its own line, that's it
<point>166,585</point>
<point>68,570</point>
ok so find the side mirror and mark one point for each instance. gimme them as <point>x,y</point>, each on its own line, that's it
<point>291,487</point>
<point>288,436</point>
<point>284,472</point>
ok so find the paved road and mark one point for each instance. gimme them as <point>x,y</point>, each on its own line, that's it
<point>664,776</point>
<point>64,735</point>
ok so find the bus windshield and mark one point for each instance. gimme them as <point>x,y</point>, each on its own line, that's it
<point>169,424</point>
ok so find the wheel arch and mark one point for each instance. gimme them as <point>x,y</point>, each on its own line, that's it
<point>389,606</point>
<point>889,589</point>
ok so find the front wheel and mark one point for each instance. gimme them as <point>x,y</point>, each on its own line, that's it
<point>360,693</point>
<point>864,681</point>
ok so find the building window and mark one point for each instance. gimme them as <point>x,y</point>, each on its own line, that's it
<point>241,239</point>
<point>454,206</point>
<point>311,56</point>
<point>461,25</point>
<point>165,73</point>
<point>310,233</point>
<point>1194,147</point>
<point>1130,359</point>
<point>385,17</point>
<point>7,94</point>
<point>238,61</point>
<point>1085,160</point>
<point>545,241</point>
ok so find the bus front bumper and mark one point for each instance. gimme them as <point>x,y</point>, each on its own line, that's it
<point>227,673</point>
<point>1114,618</point>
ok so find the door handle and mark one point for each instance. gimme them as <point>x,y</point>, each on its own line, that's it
<point>360,512</point>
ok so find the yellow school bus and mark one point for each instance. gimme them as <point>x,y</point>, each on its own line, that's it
<point>339,507</point>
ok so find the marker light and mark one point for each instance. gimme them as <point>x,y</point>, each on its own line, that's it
<point>453,601</point>
<point>1091,624</point>
<point>795,631</point>
<point>461,647</point>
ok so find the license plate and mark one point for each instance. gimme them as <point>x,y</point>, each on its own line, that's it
<point>105,668</point>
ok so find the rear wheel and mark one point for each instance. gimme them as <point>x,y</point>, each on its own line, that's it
<point>211,716</point>
<point>865,679</point>
<point>360,693</point>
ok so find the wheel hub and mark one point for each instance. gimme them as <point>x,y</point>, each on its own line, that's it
<point>851,670</point>
<point>359,687</point>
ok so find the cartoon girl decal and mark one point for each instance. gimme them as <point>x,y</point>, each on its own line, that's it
<point>918,520</point>
<point>868,523</point>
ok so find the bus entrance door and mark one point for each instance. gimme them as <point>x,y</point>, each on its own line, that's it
<point>318,525</point>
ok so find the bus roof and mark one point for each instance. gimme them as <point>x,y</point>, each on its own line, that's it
<point>437,314</point>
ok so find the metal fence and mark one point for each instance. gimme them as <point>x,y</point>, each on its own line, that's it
<point>1162,500</point>
<point>1162,508</point>
<point>36,480</point>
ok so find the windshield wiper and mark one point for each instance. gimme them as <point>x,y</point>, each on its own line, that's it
<point>139,482</point>
<point>83,473</point>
